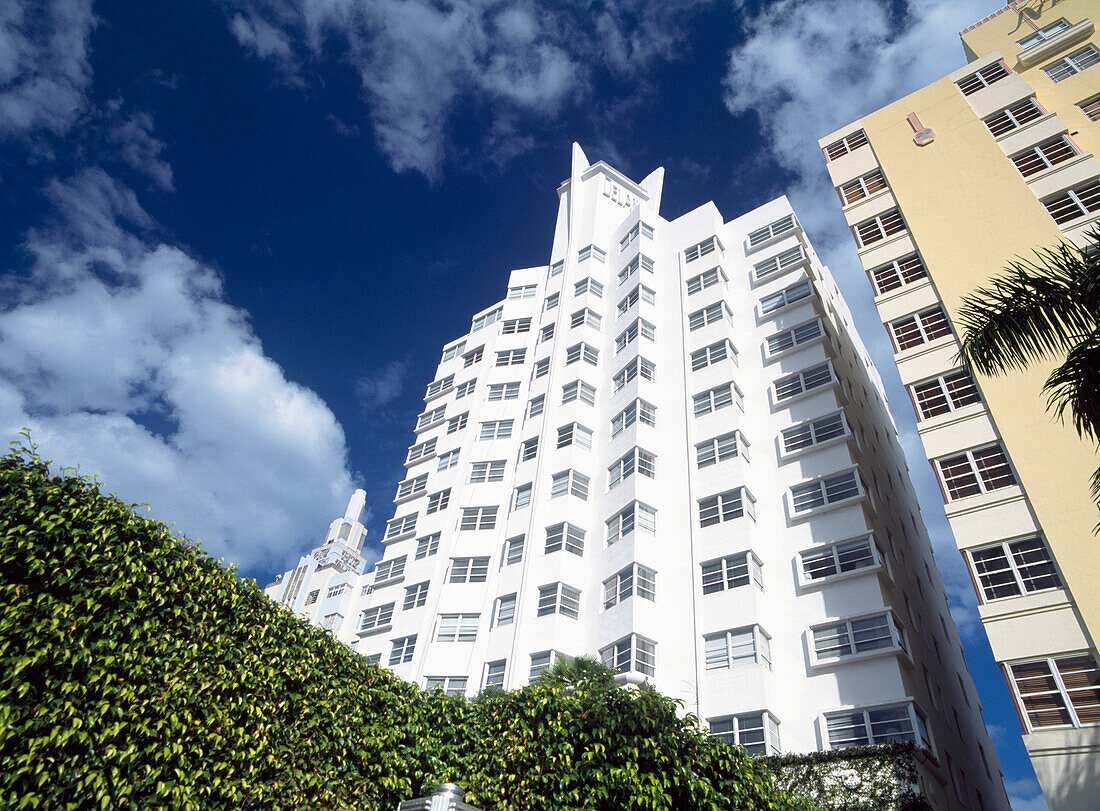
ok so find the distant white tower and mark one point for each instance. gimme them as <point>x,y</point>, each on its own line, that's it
<point>669,449</point>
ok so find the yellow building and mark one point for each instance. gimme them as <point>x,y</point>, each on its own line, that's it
<point>942,189</point>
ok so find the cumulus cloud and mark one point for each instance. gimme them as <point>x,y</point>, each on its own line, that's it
<point>44,68</point>
<point>137,147</point>
<point>418,60</point>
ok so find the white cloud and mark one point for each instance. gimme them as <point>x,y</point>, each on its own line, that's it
<point>806,68</point>
<point>383,387</point>
<point>44,67</point>
<point>1025,795</point>
<point>137,147</point>
<point>123,357</point>
<point>418,60</point>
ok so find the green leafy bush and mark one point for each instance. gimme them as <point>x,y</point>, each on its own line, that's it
<point>137,672</point>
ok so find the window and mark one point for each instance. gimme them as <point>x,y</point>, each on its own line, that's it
<point>485,320</point>
<point>427,546</point>
<point>881,725</point>
<point>1014,117</point>
<point>515,326</point>
<point>631,653</point>
<point>510,357</point>
<point>503,391</point>
<point>377,617</point>
<point>415,596</point>
<point>529,449</point>
<point>1073,203</point>
<point>412,487</point>
<point>451,685</point>
<point>455,424</point>
<point>941,395</point>
<point>838,149</point>
<point>469,570</point>
<point>569,483</point>
<point>429,418</point>
<point>1058,691</point>
<point>535,405</point>
<point>637,459</point>
<point>791,386</point>
<point>861,187</point>
<point>708,315</point>
<point>403,525</point>
<point>850,637</point>
<point>716,399</point>
<point>565,536</point>
<point>495,429</point>
<point>634,579</point>
<point>453,351</point>
<point>634,515</point>
<point>631,298</point>
<point>338,589</point>
<point>402,649</point>
<point>582,351</point>
<point>731,572</point>
<point>777,301</point>
<point>513,550</point>
<point>878,228</point>
<point>465,389</point>
<point>547,333</point>
<point>585,317</point>
<point>981,470</point>
<point>640,261</point>
<point>506,610</point>
<point>631,235</point>
<point>440,386</point>
<point>780,263</point>
<point>991,73</point>
<point>840,558</point>
<point>1091,107</point>
<point>525,291</point>
<point>494,673</point>
<point>1074,63</point>
<point>522,496</point>
<point>898,273</point>
<point>1044,34</point>
<point>447,460</point>
<point>825,492</point>
<point>639,410</point>
<point>706,279</point>
<point>1012,568</point>
<point>574,433</point>
<point>716,450</point>
<point>542,368</point>
<point>633,368</point>
<point>457,627</point>
<point>757,732</point>
<point>738,647</point>
<point>478,518</point>
<point>551,302</point>
<point>588,285</point>
<point>492,471</point>
<point>1042,156</point>
<point>701,358</point>
<point>814,432</point>
<point>591,251</point>
<point>557,268</point>
<point>707,246</point>
<point>578,389</point>
<point>627,336</point>
<point>725,506</point>
<point>472,357</point>
<point>558,598</point>
<point>438,501</point>
<point>540,662</point>
<point>796,336</point>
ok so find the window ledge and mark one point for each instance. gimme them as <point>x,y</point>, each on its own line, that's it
<point>982,501</point>
<point>420,459</point>
<point>381,629</point>
<point>924,349</point>
<point>778,404</point>
<point>1077,160</point>
<point>793,349</point>
<point>898,292</point>
<point>779,273</point>
<point>821,582</point>
<point>1048,48</point>
<point>404,536</point>
<point>900,236</point>
<point>827,508</point>
<point>772,240</point>
<point>1023,128</point>
<point>948,418</point>
<point>411,496</point>
<point>879,653</point>
<point>390,582</point>
<point>785,457</point>
<point>846,208</point>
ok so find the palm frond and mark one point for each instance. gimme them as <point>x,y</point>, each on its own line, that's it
<point>1034,310</point>
<point>1075,387</point>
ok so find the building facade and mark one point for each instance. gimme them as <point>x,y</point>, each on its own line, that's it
<point>942,190</point>
<point>667,448</point>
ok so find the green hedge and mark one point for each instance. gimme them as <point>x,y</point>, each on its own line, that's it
<point>136,672</point>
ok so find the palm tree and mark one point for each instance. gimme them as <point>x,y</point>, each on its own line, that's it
<point>1043,308</point>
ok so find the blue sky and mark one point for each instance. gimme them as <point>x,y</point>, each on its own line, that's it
<point>234,235</point>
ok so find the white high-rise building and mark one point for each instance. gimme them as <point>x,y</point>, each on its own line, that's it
<point>669,449</point>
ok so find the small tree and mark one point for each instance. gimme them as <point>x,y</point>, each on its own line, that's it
<point>1048,307</point>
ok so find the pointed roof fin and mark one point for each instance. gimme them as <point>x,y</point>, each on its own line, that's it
<point>580,161</point>
<point>654,184</point>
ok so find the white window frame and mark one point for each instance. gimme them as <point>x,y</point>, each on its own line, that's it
<point>559,598</point>
<point>850,639</point>
<point>492,430</point>
<point>631,654</point>
<point>809,381</point>
<point>564,536</point>
<point>841,147</point>
<point>735,648</point>
<point>805,436</point>
<point>402,650</point>
<point>983,78</point>
<point>711,314</point>
<point>639,365</point>
<point>503,391</point>
<point>416,596</point>
<point>468,569</point>
<point>635,579</point>
<point>478,518</point>
<point>578,390</point>
<point>634,517</point>
<point>917,733</point>
<point>570,483</point>
<point>944,394</point>
<point>1017,558</point>
<point>976,473</point>
<point>457,627</point>
<point>489,470</point>
<point>377,619</point>
<point>729,505</point>
<point>1080,60</point>
<point>772,305</point>
<point>1061,689</point>
<point>713,353</point>
<point>720,448</point>
<point>824,493</point>
<point>636,459</point>
<point>845,558</point>
<point>898,274</point>
<point>639,410</point>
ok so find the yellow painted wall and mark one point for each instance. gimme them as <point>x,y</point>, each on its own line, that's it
<point>971,213</point>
